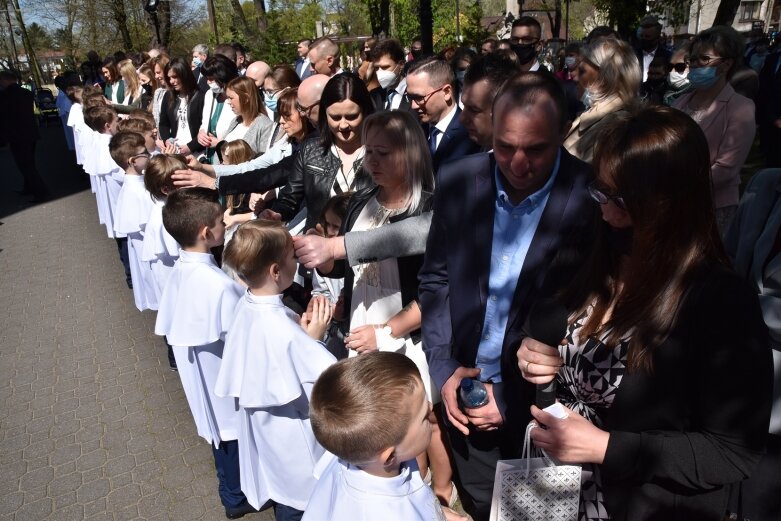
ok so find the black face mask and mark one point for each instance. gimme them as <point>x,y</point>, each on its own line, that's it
<point>648,45</point>
<point>655,84</point>
<point>525,52</point>
<point>416,53</point>
<point>620,239</point>
<point>147,89</point>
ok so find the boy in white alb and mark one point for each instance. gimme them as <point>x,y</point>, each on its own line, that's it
<point>134,205</point>
<point>109,176</point>
<point>372,414</point>
<point>196,309</point>
<point>270,364</point>
<point>159,249</point>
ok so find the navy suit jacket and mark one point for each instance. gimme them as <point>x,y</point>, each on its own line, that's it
<point>454,144</point>
<point>454,278</point>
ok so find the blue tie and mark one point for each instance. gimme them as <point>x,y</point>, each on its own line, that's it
<point>432,140</point>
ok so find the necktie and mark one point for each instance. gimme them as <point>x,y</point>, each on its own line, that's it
<point>432,140</point>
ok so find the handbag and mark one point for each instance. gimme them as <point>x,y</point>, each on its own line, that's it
<point>535,487</point>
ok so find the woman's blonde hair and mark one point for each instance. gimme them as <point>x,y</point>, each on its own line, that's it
<point>255,246</point>
<point>405,134</point>
<point>128,72</point>
<point>619,72</point>
<point>248,97</point>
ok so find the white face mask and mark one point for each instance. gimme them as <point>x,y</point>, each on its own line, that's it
<point>386,78</point>
<point>215,88</point>
<point>678,80</point>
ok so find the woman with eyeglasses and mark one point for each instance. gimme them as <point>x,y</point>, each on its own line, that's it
<point>277,82</point>
<point>726,117</point>
<point>333,163</point>
<point>609,77</point>
<point>664,365</point>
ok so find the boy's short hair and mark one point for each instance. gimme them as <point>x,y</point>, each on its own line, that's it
<point>188,210</point>
<point>93,99</point>
<point>355,405</point>
<point>157,176</point>
<point>255,246</point>
<point>124,145</point>
<point>132,124</point>
<point>99,116</point>
<point>144,115</point>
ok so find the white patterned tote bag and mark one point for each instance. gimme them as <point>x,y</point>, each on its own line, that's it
<point>535,488</point>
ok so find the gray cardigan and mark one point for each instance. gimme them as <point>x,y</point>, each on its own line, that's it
<point>258,134</point>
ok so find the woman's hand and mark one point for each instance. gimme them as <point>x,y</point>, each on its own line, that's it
<point>253,201</point>
<point>170,147</point>
<point>363,339</point>
<point>570,440</point>
<point>191,178</point>
<point>270,215</point>
<point>317,317</point>
<point>539,363</point>
<point>184,150</point>
<point>203,138</point>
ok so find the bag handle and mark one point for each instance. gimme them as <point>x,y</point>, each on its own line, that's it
<point>528,451</point>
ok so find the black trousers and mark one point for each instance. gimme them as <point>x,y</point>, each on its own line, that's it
<point>23,153</point>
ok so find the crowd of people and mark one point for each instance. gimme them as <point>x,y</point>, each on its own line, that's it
<point>333,254</point>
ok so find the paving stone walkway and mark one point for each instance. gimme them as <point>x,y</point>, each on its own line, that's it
<point>93,424</point>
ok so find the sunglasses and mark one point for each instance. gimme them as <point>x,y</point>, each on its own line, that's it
<point>600,196</point>
<point>677,67</point>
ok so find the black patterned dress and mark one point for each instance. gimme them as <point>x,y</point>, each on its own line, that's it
<point>587,384</point>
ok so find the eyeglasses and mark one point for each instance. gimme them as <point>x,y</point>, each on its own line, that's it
<point>677,67</point>
<point>601,197</point>
<point>271,92</point>
<point>422,100</point>
<point>528,40</point>
<point>704,59</point>
<point>304,111</point>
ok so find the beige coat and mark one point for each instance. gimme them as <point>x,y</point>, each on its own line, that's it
<point>582,136</point>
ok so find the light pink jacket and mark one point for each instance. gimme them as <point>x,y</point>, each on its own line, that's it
<point>729,127</point>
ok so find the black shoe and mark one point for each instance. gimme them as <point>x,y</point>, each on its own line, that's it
<point>239,511</point>
<point>129,283</point>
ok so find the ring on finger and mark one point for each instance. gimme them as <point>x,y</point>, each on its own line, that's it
<point>527,367</point>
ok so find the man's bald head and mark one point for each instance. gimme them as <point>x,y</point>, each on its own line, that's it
<point>324,56</point>
<point>309,93</point>
<point>257,71</point>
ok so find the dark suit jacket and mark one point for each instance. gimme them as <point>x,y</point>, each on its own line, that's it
<point>769,100</point>
<point>168,119</point>
<point>661,52</point>
<point>203,85</point>
<point>454,278</point>
<point>454,144</point>
<point>17,116</point>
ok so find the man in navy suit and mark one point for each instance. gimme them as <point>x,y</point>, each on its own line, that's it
<point>508,227</point>
<point>431,92</point>
<point>302,62</point>
<point>769,109</point>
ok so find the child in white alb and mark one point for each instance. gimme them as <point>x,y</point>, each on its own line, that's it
<point>270,363</point>
<point>134,205</point>
<point>196,309</point>
<point>372,414</point>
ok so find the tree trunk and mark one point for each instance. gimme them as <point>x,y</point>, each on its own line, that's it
<point>120,16</point>
<point>238,14</point>
<point>260,15</point>
<point>426,26</point>
<point>725,15</point>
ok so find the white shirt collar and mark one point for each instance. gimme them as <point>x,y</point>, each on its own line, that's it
<point>445,121</point>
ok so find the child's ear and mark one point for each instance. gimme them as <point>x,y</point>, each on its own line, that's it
<point>204,234</point>
<point>274,272</point>
<point>388,457</point>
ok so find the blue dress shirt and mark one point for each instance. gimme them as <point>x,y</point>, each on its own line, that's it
<point>514,229</point>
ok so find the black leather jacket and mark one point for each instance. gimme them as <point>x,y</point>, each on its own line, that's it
<point>313,176</point>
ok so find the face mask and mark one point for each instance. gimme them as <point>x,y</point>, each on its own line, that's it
<point>215,88</point>
<point>702,77</point>
<point>620,239</point>
<point>147,89</point>
<point>648,45</point>
<point>570,62</point>
<point>270,101</point>
<point>197,62</point>
<point>678,80</point>
<point>416,53</point>
<point>525,52</point>
<point>460,77</point>
<point>587,99</point>
<point>386,78</point>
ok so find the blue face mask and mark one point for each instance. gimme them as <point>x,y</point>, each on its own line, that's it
<point>702,77</point>
<point>270,101</point>
<point>197,62</point>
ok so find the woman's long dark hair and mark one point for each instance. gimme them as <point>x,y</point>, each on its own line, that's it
<point>110,63</point>
<point>344,86</point>
<point>657,160</point>
<point>182,70</point>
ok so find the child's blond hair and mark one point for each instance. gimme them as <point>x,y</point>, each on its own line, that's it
<point>255,246</point>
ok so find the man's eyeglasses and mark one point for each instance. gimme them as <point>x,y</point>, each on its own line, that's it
<point>677,67</point>
<point>304,111</point>
<point>528,40</point>
<point>601,197</point>
<point>422,100</point>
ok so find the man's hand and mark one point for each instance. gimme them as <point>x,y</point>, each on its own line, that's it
<point>539,363</point>
<point>313,251</point>
<point>487,417</point>
<point>362,339</point>
<point>449,394</point>
<point>191,178</point>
